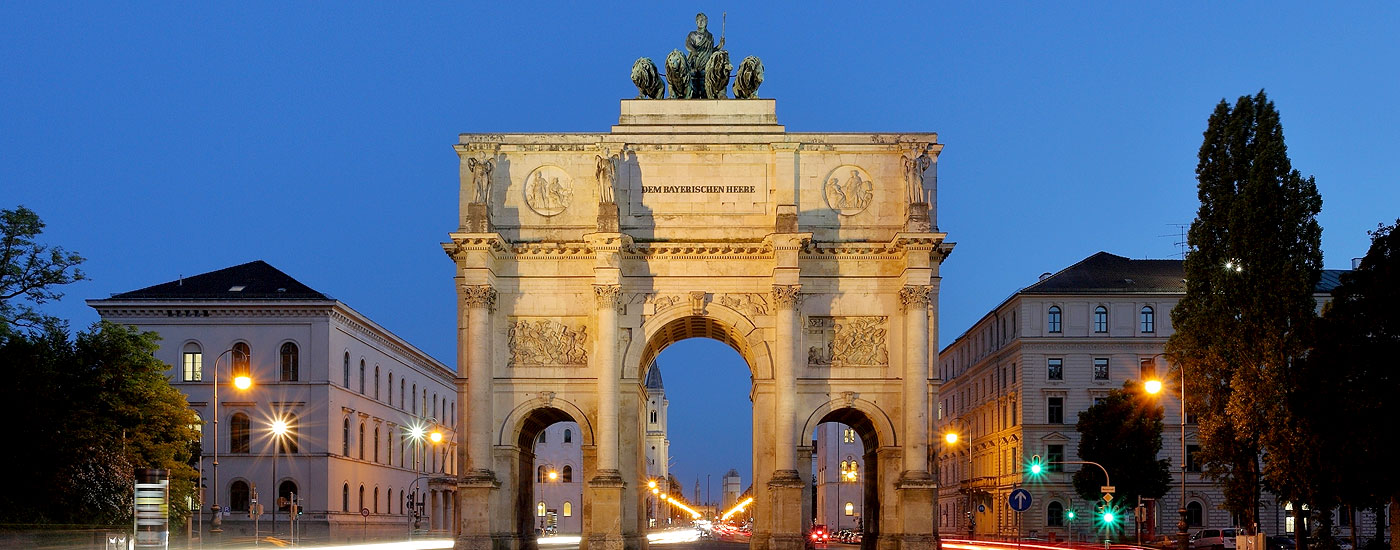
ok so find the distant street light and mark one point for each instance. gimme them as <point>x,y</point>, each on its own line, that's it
<point>279,430</point>
<point>241,381</point>
<point>1154,387</point>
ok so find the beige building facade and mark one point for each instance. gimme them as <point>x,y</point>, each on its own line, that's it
<point>814,255</point>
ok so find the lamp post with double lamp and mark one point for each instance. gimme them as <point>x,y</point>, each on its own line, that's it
<point>1154,387</point>
<point>419,432</point>
<point>242,381</point>
<point>951,438</point>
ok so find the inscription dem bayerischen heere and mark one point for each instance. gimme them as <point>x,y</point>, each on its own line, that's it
<point>698,189</point>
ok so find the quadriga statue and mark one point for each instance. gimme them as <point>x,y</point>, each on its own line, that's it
<point>647,79</point>
<point>750,76</point>
<point>678,75</point>
<point>717,75</point>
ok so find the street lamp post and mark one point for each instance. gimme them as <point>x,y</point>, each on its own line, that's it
<point>279,432</point>
<point>1153,387</point>
<point>952,438</point>
<point>241,382</point>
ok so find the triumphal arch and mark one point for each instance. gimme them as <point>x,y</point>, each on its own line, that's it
<point>580,256</point>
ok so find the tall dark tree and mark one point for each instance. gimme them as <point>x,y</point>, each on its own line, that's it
<point>1254,259</point>
<point>30,272</point>
<point>1123,433</point>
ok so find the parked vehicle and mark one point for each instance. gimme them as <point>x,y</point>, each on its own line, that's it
<point>1214,539</point>
<point>1282,542</point>
<point>818,537</point>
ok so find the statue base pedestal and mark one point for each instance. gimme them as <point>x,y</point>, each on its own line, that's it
<point>917,221</point>
<point>916,493</point>
<point>474,492</point>
<point>607,217</point>
<point>604,512</point>
<point>478,218</point>
<point>785,490</point>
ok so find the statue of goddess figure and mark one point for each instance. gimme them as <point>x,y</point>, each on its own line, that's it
<point>606,172</point>
<point>914,167</point>
<point>481,179</point>
<point>700,43</point>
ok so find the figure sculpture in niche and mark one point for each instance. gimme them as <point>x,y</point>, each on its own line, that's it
<point>647,79</point>
<point>606,172</point>
<point>701,45</point>
<point>481,179</point>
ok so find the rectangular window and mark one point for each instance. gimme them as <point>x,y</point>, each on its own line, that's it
<point>1149,320</point>
<point>1100,368</point>
<point>1052,320</point>
<point>194,366</point>
<point>1192,463</point>
<point>1056,411</point>
<point>1147,369</point>
<point>1099,400</point>
<point>1055,368</point>
<point>1053,455</point>
<point>1100,319</point>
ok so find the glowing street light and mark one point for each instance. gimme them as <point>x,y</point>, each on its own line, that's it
<point>1152,386</point>
<point>951,438</point>
<point>553,475</point>
<point>279,429</point>
<point>651,484</point>
<point>435,437</point>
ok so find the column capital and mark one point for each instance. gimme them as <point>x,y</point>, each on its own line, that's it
<point>787,296</point>
<point>915,296</point>
<point>608,296</point>
<point>477,296</point>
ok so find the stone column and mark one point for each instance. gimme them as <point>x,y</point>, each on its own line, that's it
<point>916,486</point>
<point>785,487</point>
<point>477,481</point>
<point>605,489</point>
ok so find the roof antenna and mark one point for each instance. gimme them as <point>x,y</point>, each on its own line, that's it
<point>182,280</point>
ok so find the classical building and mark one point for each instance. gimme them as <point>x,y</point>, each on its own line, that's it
<point>580,256</point>
<point>1016,381</point>
<point>359,404</point>
<point>839,458</point>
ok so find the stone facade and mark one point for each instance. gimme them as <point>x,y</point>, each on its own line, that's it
<point>348,389</point>
<point>723,226</point>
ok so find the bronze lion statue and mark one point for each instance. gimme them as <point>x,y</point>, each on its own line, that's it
<point>717,75</point>
<point>748,79</point>
<point>647,79</point>
<point>678,75</point>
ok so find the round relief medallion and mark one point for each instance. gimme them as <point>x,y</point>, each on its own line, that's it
<point>848,189</point>
<point>548,190</point>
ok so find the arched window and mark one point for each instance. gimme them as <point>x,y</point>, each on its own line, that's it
<point>345,496</point>
<point>362,497</point>
<point>653,417</point>
<point>362,443</point>
<point>435,403</point>
<point>543,439</point>
<point>1193,514</point>
<point>850,509</point>
<point>1052,319</point>
<point>568,509</point>
<point>401,501</point>
<point>391,388</point>
<point>362,379</point>
<point>238,496</point>
<point>1055,514</point>
<point>401,395</point>
<point>290,362</point>
<point>568,436</point>
<point>415,398</point>
<point>238,433</point>
<point>376,498</point>
<point>241,357</point>
<point>539,474</point>
<point>389,446</point>
<point>539,509</point>
<point>347,370</point>
<point>376,452</point>
<point>193,363</point>
<point>568,474</point>
<point>345,439</point>
<point>376,387</point>
<point>389,500</point>
<point>1148,319</point>
<point>286,490</point>
<point>288,442</point>
<point>1100,319</point>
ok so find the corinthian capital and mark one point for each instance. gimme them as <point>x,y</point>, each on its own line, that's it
<point>479,296</point>
<point>915,296</point>
<point>787,296</point>
<point>608,296</point>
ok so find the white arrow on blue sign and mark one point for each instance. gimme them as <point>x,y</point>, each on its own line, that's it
<point>1020,500</point>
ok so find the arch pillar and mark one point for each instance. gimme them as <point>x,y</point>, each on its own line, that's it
<point>478,482</point>
<point>604,492</point>
<point>785,487</point>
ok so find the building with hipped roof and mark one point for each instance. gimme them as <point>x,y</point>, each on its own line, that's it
<point>351,393</point>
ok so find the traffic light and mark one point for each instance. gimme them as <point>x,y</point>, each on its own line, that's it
<point>1109,517</point>
<point>1069,514</point>
<point>1036,467</point>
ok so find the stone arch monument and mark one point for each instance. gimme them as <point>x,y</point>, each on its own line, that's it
<point>580,256</point>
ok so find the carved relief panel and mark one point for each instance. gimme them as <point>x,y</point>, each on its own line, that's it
<point>847,341</point>
<point>547,343</point>
<point>548,190</point>
<point>848,189</point>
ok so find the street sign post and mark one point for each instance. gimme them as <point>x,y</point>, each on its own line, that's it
<point>1020,500</point>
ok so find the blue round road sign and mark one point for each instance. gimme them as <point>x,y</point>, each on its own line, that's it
<point>1020,500</point>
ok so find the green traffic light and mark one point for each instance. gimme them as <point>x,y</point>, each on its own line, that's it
<point>1069,514</point>
<point>1108,517</point>
<point>1035,469</point>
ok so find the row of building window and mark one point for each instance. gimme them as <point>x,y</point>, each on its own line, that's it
<point>373,505</point>
<point>568,436</point>
<point>439,454</point>
<point>450,411</point>
<point>192,361</point>
<point>566,475</point>
<point>1055,368</point>
<point>240,495</point>
<point>240,434</point>
<point>1147,320</point>
<point>567,510</point>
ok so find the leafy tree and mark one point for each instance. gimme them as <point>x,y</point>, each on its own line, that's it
<point>88,412</point>
<point>29,271</point>
<point>1254,261</point>
<point>1123,433</point>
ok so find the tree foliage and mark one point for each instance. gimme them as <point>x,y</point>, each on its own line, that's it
<point>30,272</point>
<point>1123,433</point>
<point>1254,259</point>
<point>85,413</point>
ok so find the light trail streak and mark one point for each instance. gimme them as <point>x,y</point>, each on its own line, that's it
<point>737,508</point>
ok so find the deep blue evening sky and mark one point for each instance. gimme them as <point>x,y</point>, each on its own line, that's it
<point>177,138</point>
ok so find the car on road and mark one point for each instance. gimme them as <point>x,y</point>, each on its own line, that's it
<point>1214,539</point>
<point>1282,542</point>
<point>818,537</point>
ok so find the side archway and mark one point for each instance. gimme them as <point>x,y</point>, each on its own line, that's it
<point>516,422</point>
<point>716,322</point>
<point>856,413</point>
